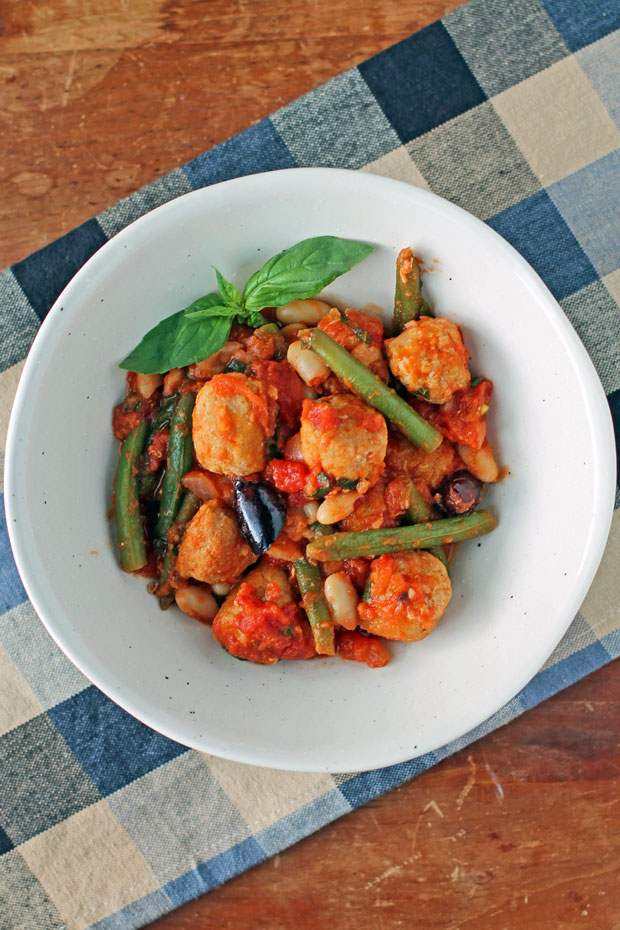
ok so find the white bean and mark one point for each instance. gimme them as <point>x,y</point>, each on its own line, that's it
<point>291,331</point>
<point>221,588</point>
<point>148,384</point>
<point>480,462</point>
<point>310,510</point>
<point>173,381</point>
<point>197,602</point>
<point>309,312</point>
<point>342,600</point>
<point>337,506</point>
<point>310,368</point>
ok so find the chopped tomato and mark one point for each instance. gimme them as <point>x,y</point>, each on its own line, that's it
<point>289,386</point>
<point>287,476</point>
<point>323,417</point>
<point>356,321</point>
<point>353,645</point>
<point>271,632</point>
<point>462,418</point>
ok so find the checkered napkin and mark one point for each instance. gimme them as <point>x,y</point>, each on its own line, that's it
<point>509,108</point>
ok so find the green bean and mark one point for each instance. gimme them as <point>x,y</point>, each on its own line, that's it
<point>162,417</point>
<point>189,506</point>
<point>147,484</point>
<point>400,539</point>
<point>419,512</point>
<point>321,529</point>
<point>361,380</point>
<point>180,456</point>
<point>407,299</point>
<point>315,605</point>
<point>127,503</point>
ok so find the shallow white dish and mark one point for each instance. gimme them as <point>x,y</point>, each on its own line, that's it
<point>515,591</point>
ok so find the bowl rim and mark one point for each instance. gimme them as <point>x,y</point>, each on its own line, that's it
<point>603,455</point>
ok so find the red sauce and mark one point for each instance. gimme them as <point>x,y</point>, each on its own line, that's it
<point>342,331</point>
<point>358,571</point>
<point>123,421</point>
<point>271,632</point>
<point>462,418</point>
<point>289,386</point>
<point>286,476</point>
<point>372,422</point>
<point>157,450</point>
<point>350,644</point>
<point>394,595</point>
<point>397,496</point>
<point>322,416</point>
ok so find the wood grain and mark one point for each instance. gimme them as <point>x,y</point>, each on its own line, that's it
<point>518,831</point>
<point>98,98</point>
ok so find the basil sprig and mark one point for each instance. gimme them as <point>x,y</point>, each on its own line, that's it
<point>199,330</point>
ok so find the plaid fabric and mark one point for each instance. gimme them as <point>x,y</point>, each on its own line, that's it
<point>510,108</point>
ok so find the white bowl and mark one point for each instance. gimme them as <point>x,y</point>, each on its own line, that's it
<point>515,591</point>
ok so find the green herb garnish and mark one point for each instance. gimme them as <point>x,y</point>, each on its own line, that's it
<point>349,484</point>
<point>361,334</point>
<point>324,485</point>
<point>199,330</point>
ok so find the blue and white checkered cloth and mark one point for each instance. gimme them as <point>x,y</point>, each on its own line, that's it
<point>509,108</point>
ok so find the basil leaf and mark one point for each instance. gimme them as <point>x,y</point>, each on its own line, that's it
<point>206,312</point>
<point>176,342</point>
<point>198,339</point>
<point>151,355</point>
<point>302,271</point>
<point>231,296</point>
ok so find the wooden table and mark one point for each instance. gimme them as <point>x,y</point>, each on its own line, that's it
<point>519,831</point>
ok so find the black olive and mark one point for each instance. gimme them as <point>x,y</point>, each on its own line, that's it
<point>460,493</point>
<point>261,512</point>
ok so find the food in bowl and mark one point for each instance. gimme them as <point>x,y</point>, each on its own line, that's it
<point>291,476</point>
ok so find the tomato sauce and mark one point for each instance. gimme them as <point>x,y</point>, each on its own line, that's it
<point>272,632</point>
<point>462,418</point>
<point>343,330</point>
<point>286,476</point>
<point>289,387</point>
<point>323,417</point>
<point>353,645</point>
